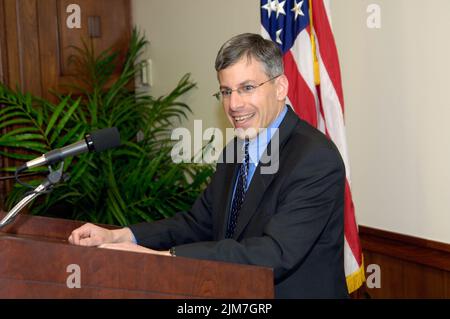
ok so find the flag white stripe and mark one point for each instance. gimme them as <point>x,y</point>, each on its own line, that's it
<point>334,117</point>
<point>350,262</point>
<point>302,53</point>
<point>303,57</point>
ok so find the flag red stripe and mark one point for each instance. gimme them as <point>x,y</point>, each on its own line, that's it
<point>299,94</point>
<point>327,47</point>
<point>351,231</point>
<point>329,56</point>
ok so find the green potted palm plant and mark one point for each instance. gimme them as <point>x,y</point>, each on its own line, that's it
<point>135,182</point>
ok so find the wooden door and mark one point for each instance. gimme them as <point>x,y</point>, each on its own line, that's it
<point>35,40</point>
<point>39,37</point>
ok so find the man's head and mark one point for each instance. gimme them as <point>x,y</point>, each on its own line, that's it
<point>253,87</point>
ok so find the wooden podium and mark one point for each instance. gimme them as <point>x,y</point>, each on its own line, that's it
<point>36,261</point>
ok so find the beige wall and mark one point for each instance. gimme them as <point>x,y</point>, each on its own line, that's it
<point>395,80</point>
<point>396,84</point>
<point>185,37</point>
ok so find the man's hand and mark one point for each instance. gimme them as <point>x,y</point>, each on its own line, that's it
<point>134,248</point>
<point>92,235</point>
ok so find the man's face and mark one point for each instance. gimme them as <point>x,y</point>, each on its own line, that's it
<point>256,110</point>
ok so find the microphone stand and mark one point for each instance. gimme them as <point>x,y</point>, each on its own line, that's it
<point>53,178</point>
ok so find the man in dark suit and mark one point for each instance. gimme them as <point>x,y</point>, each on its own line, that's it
<point>278,201</point>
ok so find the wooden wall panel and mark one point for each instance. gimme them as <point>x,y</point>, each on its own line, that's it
<point>3,79</point>
<point>411,267</point>
<point>29,50</point>
<point>114,27</point>
<point>12,48</point>
<point>21,28</point>
<point>56,39</point>
<point>3,58</point>
<point>34,41</point>
<point>38,39</point>
<point>422,281</point>
<point>447,284</point>
<point>21,50</point>
<point>49,46</point>
<point>391,281</point>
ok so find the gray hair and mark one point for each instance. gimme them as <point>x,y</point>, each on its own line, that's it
<point>253,46</point>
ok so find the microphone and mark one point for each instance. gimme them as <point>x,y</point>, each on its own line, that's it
<point>96,141</point>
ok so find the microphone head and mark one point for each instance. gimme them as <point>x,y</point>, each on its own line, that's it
<point>103,139</point>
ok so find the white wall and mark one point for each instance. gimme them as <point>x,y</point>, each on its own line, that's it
<point>395,84</point>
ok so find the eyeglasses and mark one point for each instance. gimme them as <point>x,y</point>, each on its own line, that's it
<point>243,90</point>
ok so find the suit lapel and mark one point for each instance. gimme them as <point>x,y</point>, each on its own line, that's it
<point>260,182</point>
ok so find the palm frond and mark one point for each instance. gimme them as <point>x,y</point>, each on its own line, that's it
<point>135,182</point>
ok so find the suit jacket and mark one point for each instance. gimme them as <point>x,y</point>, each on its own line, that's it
<point>291,221</point>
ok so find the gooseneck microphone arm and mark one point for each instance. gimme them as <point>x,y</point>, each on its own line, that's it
<point>95,142</point>
<point>53,178</point>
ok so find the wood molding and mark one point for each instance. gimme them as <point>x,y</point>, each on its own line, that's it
<point>3,79</point>
<point>413,249</point>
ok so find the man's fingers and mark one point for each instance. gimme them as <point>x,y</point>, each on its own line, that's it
<point>90,235</point>
<point>88,242</point>
<point>74,237</point>
<point>80,233</point>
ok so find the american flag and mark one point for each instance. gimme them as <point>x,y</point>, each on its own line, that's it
<point>302,30</point>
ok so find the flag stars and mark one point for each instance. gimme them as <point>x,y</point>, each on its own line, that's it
<point>297,9</point>
<point>270,6</point>
<point>280,8</point>
<point>274,6</point>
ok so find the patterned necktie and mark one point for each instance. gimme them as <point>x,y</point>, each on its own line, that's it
<point>239,193</point>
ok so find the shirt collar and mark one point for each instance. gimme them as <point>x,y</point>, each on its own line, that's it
<point>258,145</point>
